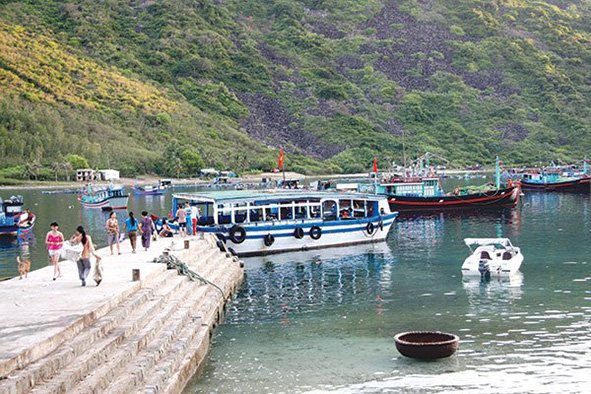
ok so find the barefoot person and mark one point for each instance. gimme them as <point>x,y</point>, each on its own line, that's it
<point>182,215</point>
<point>146,229</point>
<point>87,250</point>
<point>131,227</point>
<point>54,241</point>
<point>112,227</point>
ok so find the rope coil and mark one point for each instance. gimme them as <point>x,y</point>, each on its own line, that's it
<point>172,262</point>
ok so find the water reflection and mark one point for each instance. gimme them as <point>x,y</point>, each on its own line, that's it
<point>10,248</point>
<point>492,296</point>
<point>303,282</point>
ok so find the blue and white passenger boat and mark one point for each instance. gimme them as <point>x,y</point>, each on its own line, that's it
<point>273,221</point>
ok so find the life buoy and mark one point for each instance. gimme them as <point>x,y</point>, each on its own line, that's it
<point>370,228</point>
<point>315,232</point>
<point>269,239</point>
<point>237,234</point>
<point>298,233</point>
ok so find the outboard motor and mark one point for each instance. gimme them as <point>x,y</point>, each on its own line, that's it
<point>484,269</point>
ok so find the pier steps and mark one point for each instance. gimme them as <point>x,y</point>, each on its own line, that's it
<point>143,343</point>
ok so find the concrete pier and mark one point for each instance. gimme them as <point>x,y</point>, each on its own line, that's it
<point>123,336</point>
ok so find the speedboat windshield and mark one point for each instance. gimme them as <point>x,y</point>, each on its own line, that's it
<point>502,242</point>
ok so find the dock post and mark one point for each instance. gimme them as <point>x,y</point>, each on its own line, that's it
<point>135,274</point>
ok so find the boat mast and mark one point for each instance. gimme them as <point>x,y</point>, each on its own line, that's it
<point>497,173</point>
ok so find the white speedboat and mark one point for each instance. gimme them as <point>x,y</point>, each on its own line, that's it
<point>272,221</point>
<point>491,257</point>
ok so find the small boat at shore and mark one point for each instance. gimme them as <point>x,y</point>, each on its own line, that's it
<point>492,257</point>
<point>104,197</point>
<point>11,211</point>
<point>273,221</point>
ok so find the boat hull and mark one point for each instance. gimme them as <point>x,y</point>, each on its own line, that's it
<point>8,230</point>
<point>332,233</point>
<point>581,185</point>
<point>497,198</point>
<point>109,203</point>
<point>496,267</point>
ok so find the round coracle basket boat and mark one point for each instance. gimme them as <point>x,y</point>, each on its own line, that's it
<point>426,345</point>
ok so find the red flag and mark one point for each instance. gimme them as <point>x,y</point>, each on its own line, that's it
<point>280,162</point>
<point>375,165</point>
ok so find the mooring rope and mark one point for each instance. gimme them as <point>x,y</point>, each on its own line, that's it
<point>172,262</point>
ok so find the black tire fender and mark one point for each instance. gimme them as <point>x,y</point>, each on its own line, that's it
<point>370,228</point>
<point>269,239</point>
<point>237,234</point>
<point>298,233</point>
<point>315,232</point>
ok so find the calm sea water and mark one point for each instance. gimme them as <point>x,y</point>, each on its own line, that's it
<point>323,321</point>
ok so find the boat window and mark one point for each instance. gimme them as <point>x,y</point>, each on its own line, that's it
<point>314,211</point>
<point>240,212</point>
<point>271,213</point>
<point>358,208</point>
<point>224,214</point>
<point>256,215</point>
<point>329,210</point>
<point>301,212</point>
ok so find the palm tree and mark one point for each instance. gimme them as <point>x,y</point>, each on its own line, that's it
<point>67,168</point>
<point>31,170</point>
<point>178,166</point>
<point>56,166</point>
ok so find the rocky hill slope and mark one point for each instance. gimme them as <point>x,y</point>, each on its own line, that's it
<point>167,86</point>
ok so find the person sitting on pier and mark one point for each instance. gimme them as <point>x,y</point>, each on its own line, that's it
<point>165,231</point>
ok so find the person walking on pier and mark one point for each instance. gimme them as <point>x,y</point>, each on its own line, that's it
<point>182,215</point>
<point>194,219</point>
<point>112,226</point>
<point>87,250</point>
<point>55,241</point>
<point>131,227</point>
<point>147,227</point>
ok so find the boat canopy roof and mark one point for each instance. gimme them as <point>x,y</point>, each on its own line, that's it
<point>487,241</point>
<point>242,196</point>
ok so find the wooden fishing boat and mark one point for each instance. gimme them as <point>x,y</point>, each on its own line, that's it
<point>273,221</point>
<point>148,190</point>
<point>104,197</point>
<point>426,193</point>
<point>552,181</point>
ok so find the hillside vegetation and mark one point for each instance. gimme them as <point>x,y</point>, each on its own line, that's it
<point>169,86</point>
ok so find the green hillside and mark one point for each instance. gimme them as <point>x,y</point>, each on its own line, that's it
<point>165,87</point>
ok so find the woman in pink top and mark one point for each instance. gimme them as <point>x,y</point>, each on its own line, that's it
<point>54,241</point>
